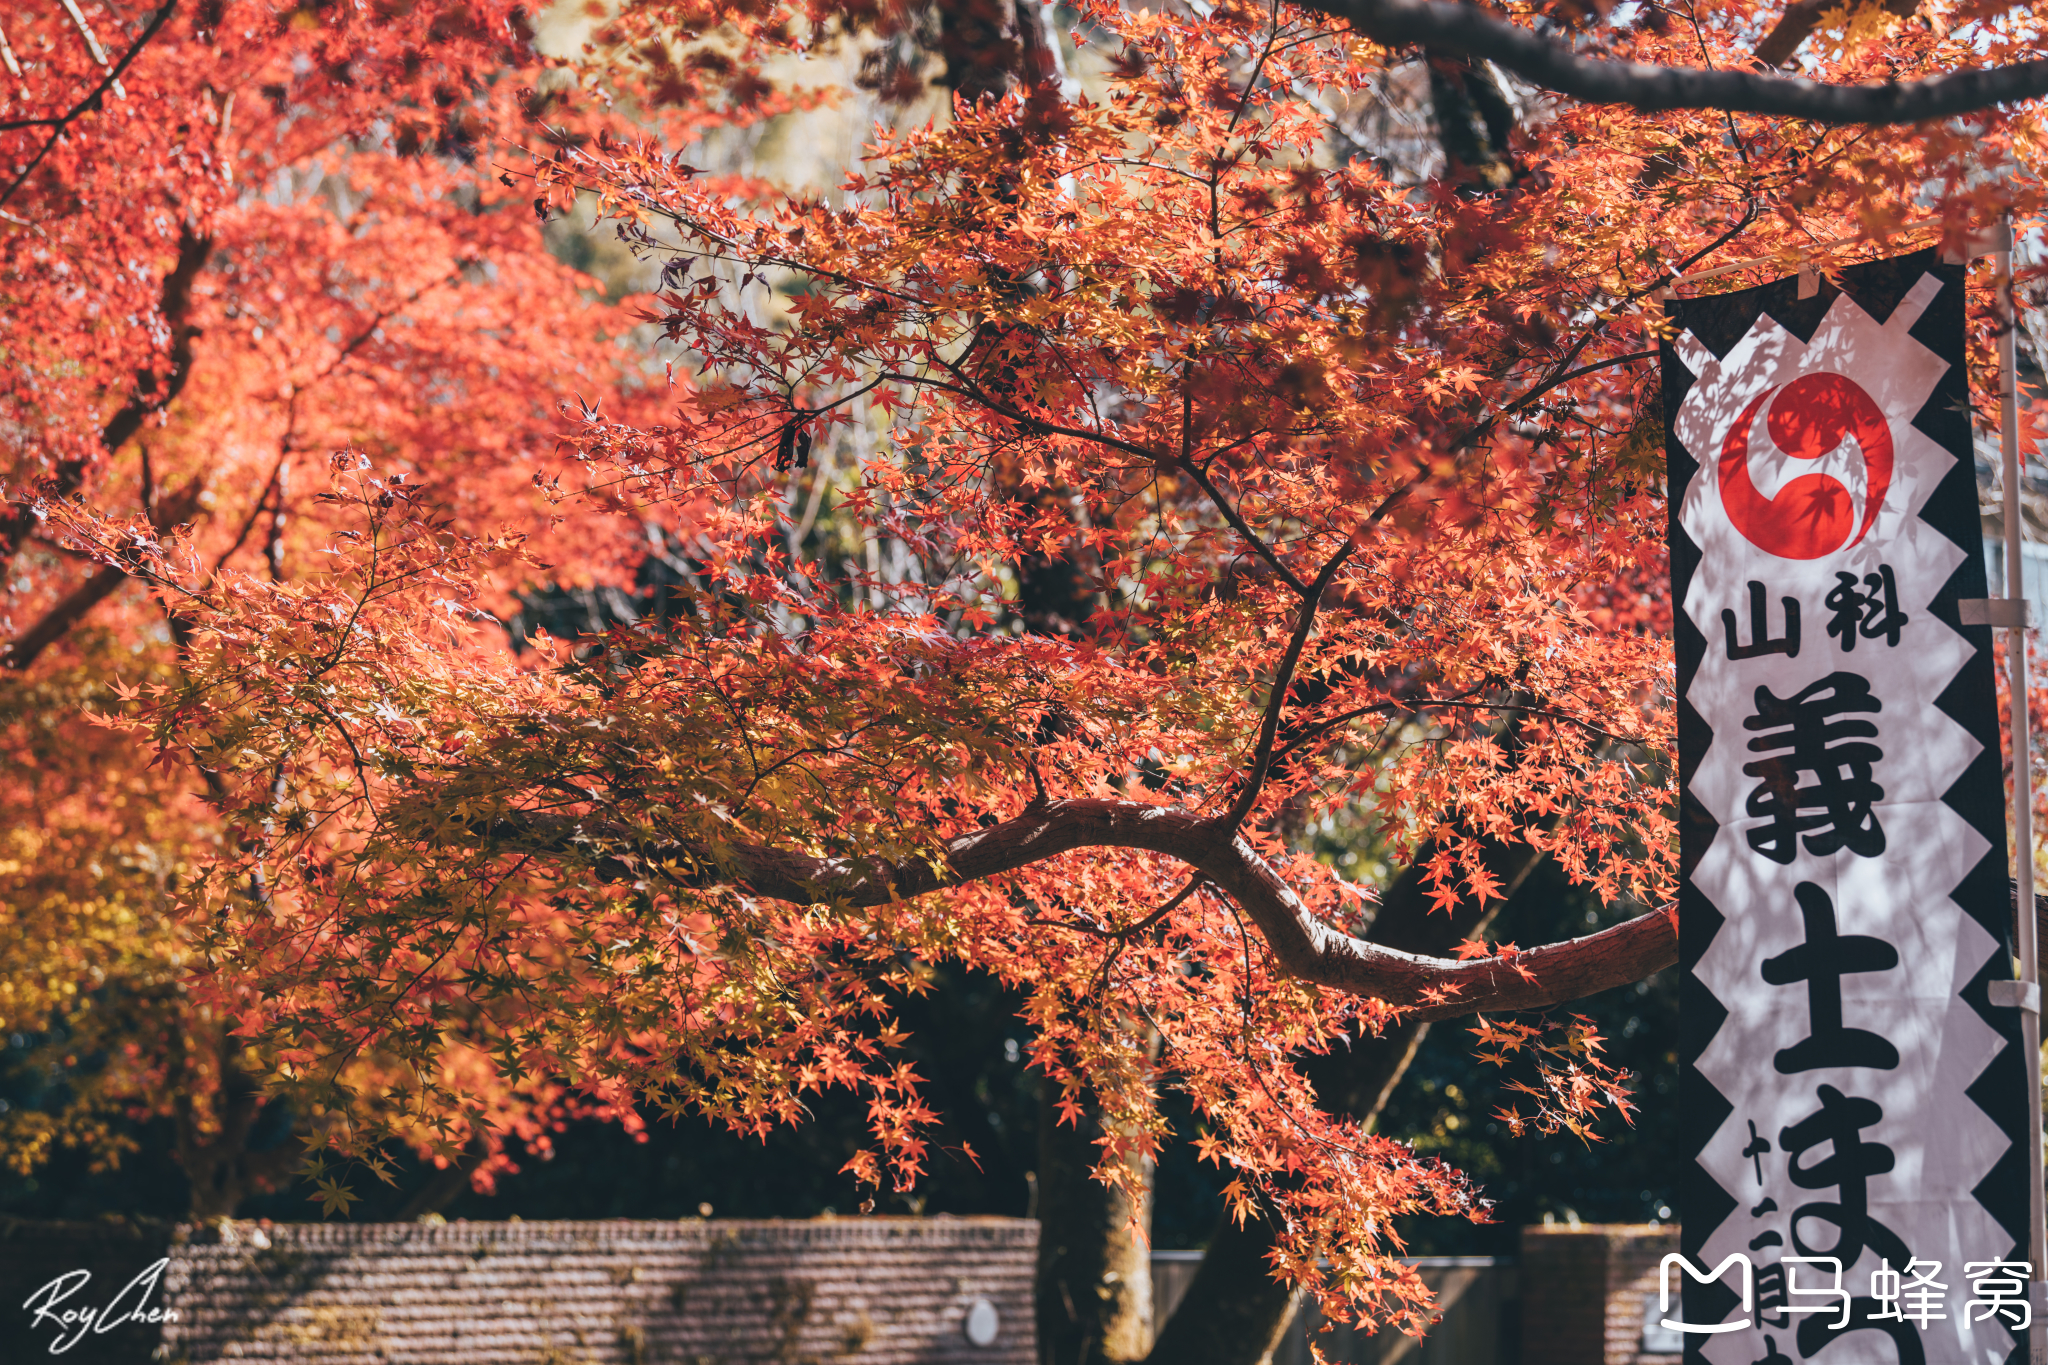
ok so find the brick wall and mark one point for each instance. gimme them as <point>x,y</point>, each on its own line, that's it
<point>1583,1291</point>
<point>1633,1258</point>
<point>866,1291</point>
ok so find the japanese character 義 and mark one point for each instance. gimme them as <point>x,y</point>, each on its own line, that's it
<point>1802,734</point>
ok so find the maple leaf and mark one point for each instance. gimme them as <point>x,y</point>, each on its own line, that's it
<point>333,1197</point>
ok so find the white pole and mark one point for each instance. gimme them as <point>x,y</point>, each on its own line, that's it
<point>2022,791</point>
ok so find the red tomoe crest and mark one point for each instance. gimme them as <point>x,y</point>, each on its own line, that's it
<point>1813,514</point>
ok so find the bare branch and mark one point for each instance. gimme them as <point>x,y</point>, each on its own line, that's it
<point>1798,22</point>
<point>1237,523</point>
<point>1469,30</point>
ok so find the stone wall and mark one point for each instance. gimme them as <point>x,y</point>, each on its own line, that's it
<point>865,1291</point>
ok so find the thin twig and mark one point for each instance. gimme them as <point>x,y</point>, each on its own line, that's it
<point>59,124</point>
<point>1283,680</point>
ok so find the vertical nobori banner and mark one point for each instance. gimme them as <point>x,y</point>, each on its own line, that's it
<point>1844,903</point>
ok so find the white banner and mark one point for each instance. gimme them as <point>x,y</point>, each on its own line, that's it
<point>1845,901</point>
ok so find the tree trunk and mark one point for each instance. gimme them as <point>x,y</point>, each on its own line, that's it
<point>1094,1284</point>
<point>992,45</point>
<point>235,1161</point>
<point>150,396</point>
<point>1473,123</point>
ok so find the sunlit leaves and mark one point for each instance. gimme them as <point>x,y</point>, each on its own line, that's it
<point>1158,344</point>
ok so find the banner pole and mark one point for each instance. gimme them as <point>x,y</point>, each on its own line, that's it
<point>2023,791</point>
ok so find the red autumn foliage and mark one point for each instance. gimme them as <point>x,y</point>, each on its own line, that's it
<point>1357,468</point>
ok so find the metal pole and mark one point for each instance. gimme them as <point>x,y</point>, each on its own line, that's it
<point>2022,792</point>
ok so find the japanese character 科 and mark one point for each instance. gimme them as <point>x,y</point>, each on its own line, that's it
<point>2000,1288</point>
<point>1760,641</point>
<point>1870,611</point>
<point>1802,734</point>
<point>1821,962</point>
<point>1837,1125</point>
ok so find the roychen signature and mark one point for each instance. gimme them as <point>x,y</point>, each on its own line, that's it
<point>130,1305</point>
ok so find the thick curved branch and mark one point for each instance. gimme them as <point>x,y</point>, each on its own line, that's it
<point>1306,948</point>
<point>1472,31</point>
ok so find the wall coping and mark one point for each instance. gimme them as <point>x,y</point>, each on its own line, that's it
<point>765,1232</point>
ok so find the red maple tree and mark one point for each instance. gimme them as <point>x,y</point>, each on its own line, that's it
<point>1355,477</point>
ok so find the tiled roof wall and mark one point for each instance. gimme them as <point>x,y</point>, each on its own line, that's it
<point>867,1291</point>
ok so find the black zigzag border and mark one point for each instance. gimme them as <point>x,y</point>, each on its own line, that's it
<point>1978,795</point>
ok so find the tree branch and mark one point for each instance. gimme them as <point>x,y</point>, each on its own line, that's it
<point>1798,22</point>
<point>1471,31</point>
<point>74,605</point>
<point>1237,523</point>
<point>146,399</point>
<point>61,618</point>
<point>1306,948</point>
<point>58,124</point>
<point>1283,680</point>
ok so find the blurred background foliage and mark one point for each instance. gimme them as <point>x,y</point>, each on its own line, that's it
<point>83,1146</point>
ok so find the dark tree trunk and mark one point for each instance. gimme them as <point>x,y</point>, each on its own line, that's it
<point>1094,1285</point>
<point>991,45</point>
<point>1473,123</point>
<point>250,1150</point>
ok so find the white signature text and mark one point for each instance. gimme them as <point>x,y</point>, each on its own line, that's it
<point>72,1323</point>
